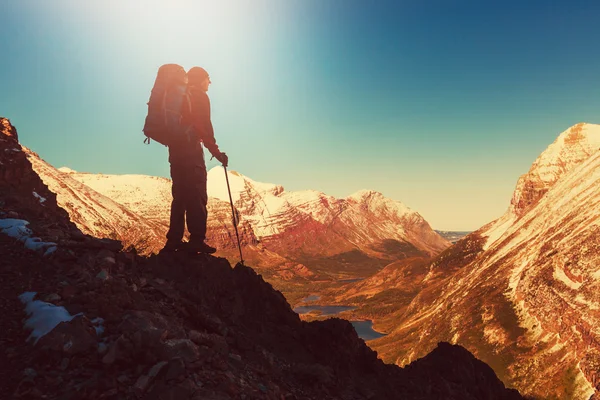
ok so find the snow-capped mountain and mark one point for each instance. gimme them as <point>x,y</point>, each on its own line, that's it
<point>570,149</point>
<point>304,226</point>
<point>360,221</point>
<point>523,290</point>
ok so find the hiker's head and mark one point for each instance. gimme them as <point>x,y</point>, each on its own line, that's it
<point>199,78</point>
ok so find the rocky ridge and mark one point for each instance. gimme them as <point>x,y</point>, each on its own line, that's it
<point>521,292</point>
<point>180,327</point>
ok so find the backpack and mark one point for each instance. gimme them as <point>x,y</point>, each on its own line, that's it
<point>168,97</point>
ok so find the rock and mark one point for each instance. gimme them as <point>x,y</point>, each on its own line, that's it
<point>73,337</point>
<point>117,351</point>
<point>157,368</point>
<point>180,391</point>
<point>136,321</point>
<point>58,234</point>
<point>13,214</point>
<point>64,364</point>
<point>235,357</point>
<point>182,348</point>
<point>176,369</point>
<point>149,338</point>
<point>77,235</point>
<point>51,298</point>
<point>68,291</point>
<point>141,384</point>
<point>123,378</point>
<point>30,373</point>
<point>109,260</point>
<point>211,340</point>
<point>102,275</point>
<point>102,348</point>
<point>109,393</point>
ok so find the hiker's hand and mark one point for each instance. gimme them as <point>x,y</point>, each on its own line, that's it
<point>222,157</point>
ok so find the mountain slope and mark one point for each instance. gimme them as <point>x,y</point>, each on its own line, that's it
<point>96,214</point>
<point>523,291</point>
<point>347,237</point>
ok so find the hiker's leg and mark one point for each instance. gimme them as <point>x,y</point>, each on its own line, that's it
<point>196,206</point>
<point>178,189</point>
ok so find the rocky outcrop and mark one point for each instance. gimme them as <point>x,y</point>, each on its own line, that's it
<point>23,192</point>
<point>570,149</point>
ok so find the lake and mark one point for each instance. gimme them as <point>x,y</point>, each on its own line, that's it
<point>364,329</point>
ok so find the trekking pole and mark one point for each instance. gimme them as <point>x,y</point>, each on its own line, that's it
<point>234,218</point>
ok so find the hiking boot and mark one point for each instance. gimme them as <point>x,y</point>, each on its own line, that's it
<point>171,246</point>
<point>200,247</point>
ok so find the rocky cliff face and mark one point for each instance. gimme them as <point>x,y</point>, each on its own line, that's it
<point>24,191</point>
<point>181,328</point>
<point>521,293</point>
<point>572,147</point>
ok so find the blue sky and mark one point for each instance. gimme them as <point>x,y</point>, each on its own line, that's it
<point>438,104</point>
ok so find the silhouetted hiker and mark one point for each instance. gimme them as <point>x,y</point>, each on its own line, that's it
<point>188,169</point>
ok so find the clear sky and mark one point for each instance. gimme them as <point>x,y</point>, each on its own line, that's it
<point>439,104</point>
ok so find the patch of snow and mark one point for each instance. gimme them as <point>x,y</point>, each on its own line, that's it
<point>495,334</point>
<point>586,390</point>
<point>42,316</point>
<point>17,228</point>
<point>67,170</point>
<point>580,298</point>
<point>515,276</point>
<point>40,198</point>
<point>455,338</point>
<point>558,346</point>
<point>560,275</point>
<point>36,244</point>
<point>50,250</point>
<point>98,325</point>
<point>498,229</point>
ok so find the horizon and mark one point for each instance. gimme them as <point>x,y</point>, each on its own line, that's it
<point>441,107</point>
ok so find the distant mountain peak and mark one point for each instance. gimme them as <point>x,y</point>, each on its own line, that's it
<point>571,148</point>
<point>362,193</point>
<point>67,170</point>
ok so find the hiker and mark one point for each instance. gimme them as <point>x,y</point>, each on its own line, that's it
<point>188,169</point>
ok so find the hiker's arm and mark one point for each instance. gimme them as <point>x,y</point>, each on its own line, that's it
<point>203,124</point>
